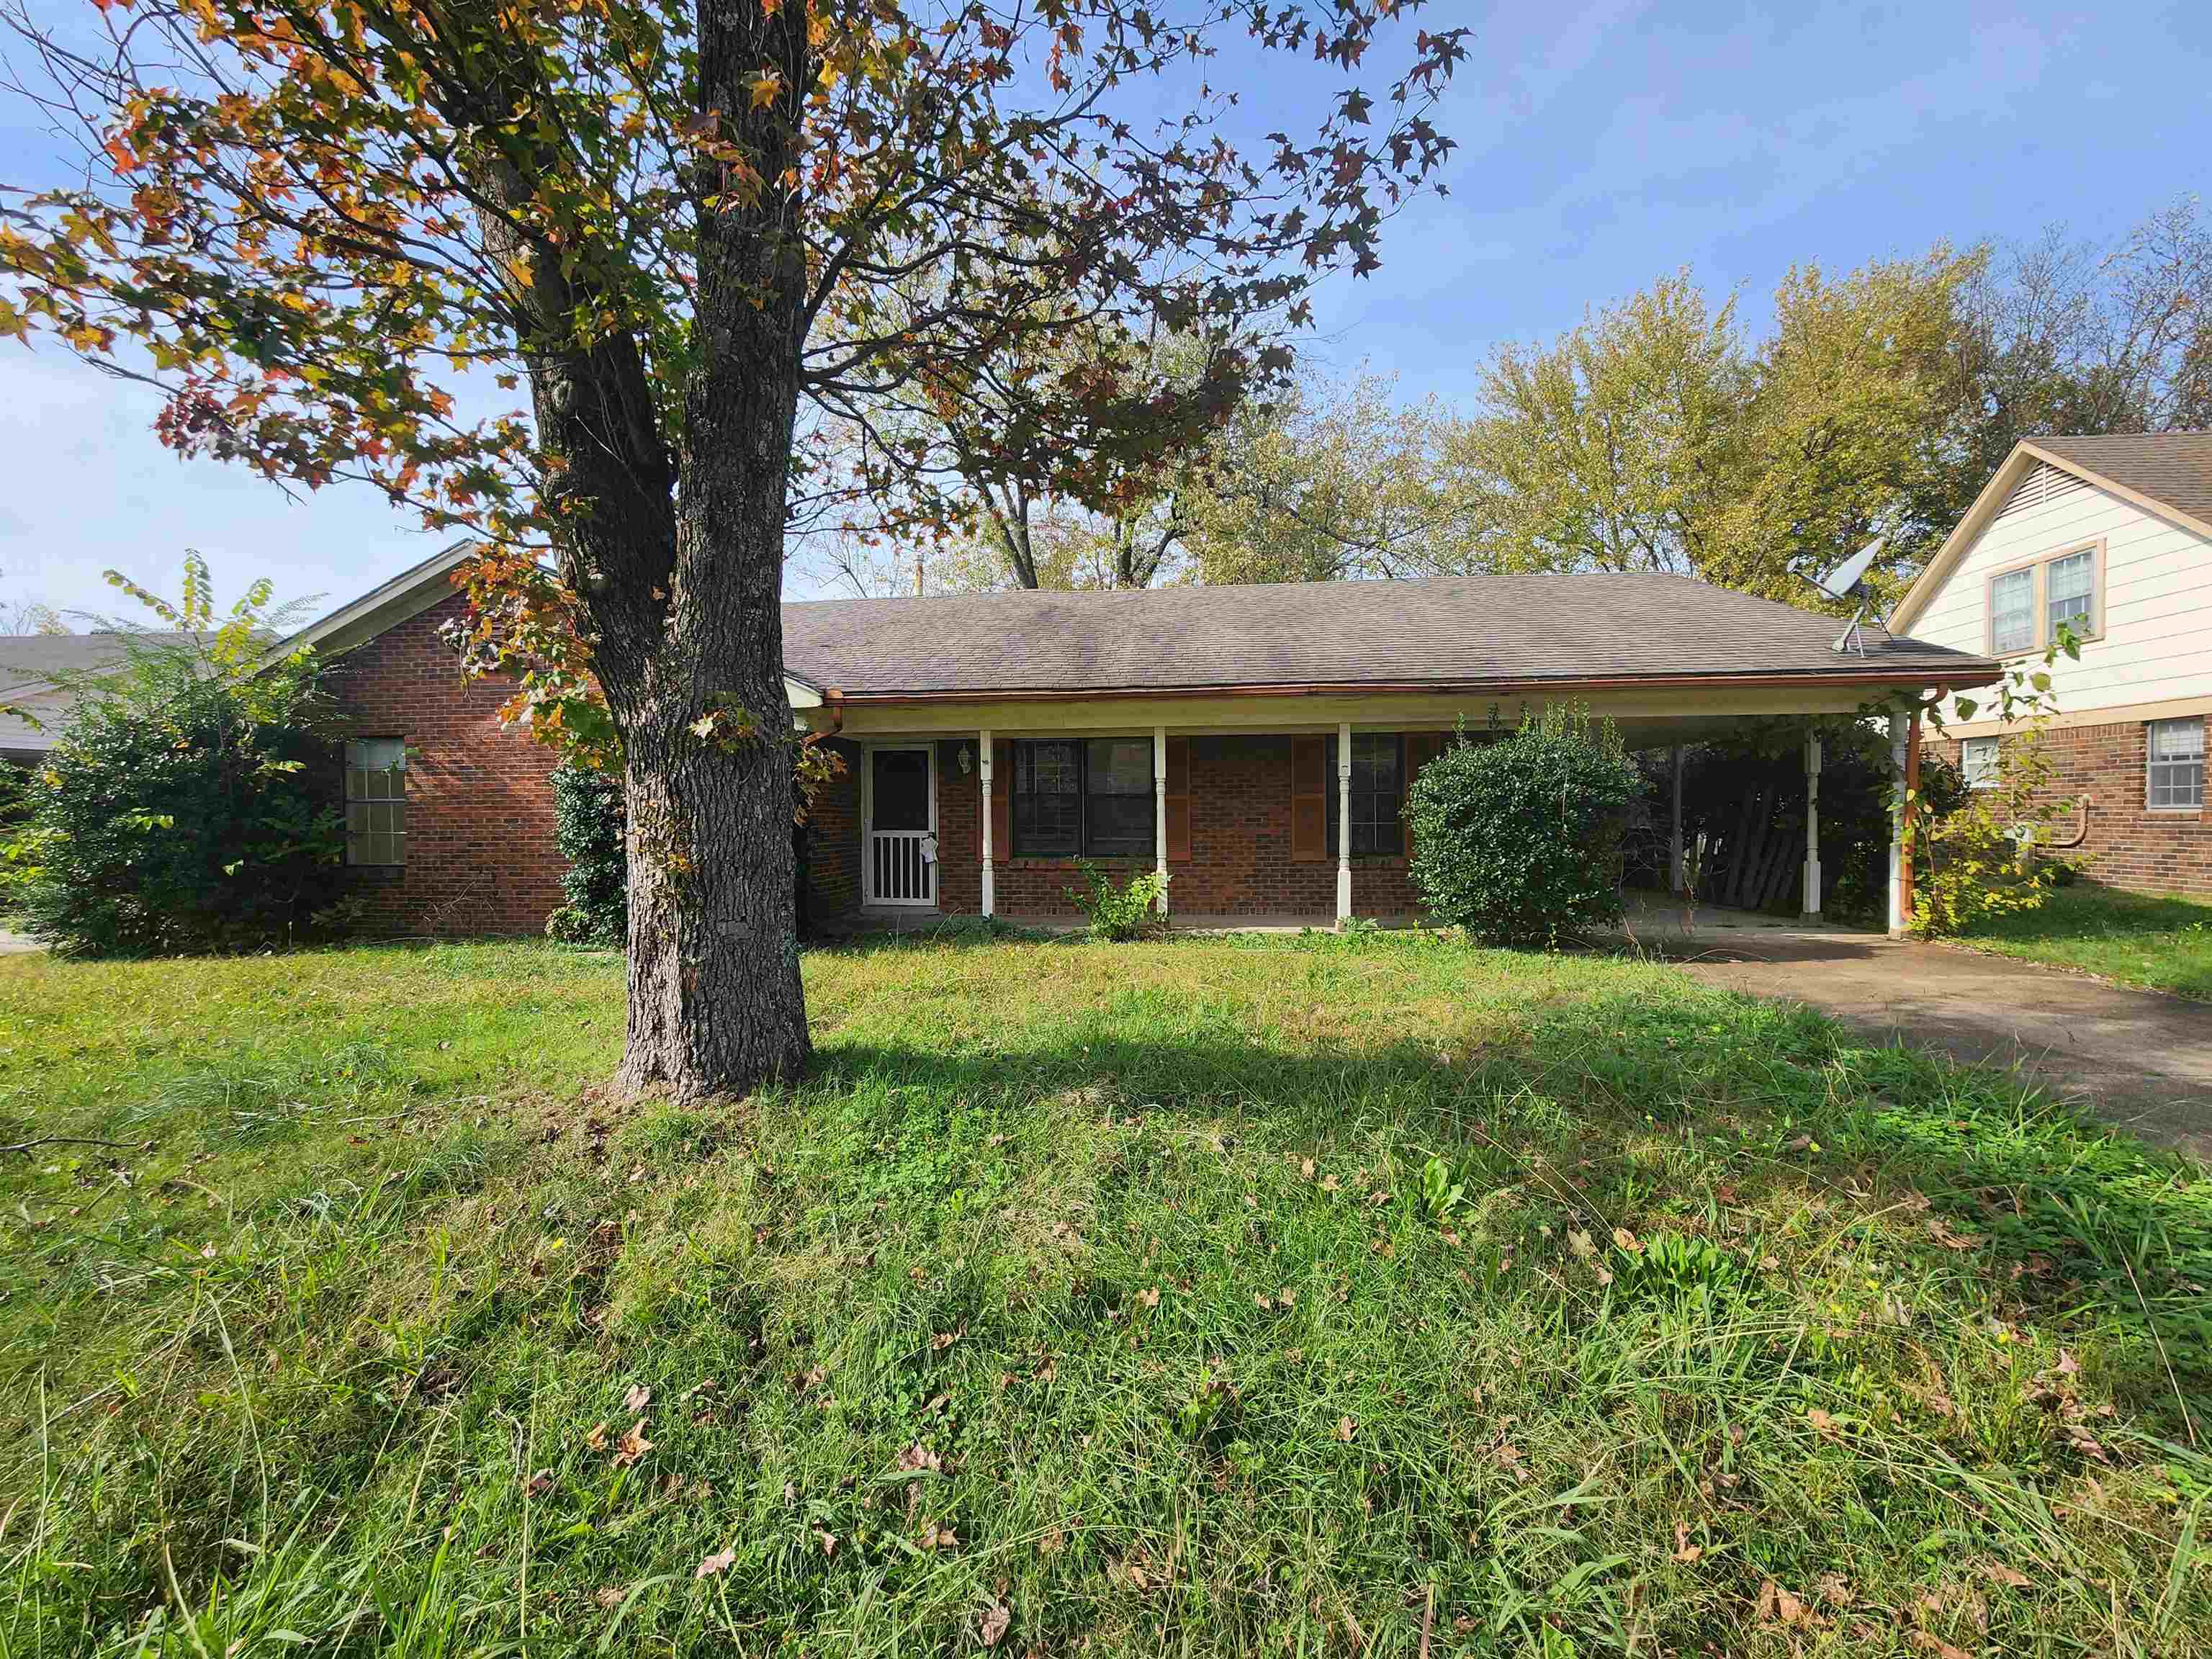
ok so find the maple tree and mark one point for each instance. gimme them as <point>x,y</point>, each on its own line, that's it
<point>336,232</point>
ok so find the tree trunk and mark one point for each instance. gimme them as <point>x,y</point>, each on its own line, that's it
<point>715,1002</point>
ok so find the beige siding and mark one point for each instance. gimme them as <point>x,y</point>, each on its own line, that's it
<point>2157,641</point>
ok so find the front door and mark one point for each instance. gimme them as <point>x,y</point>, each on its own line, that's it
<point>900,815</point>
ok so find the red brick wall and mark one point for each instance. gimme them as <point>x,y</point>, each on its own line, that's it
<point>1240,845</point>
<point>480,851</point>
<point>2129,845</point>
<point>832,840</point>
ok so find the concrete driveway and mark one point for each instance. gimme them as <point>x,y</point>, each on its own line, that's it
<point>2138,1058</point>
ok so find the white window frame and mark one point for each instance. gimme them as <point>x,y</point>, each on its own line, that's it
<point>1977,777</point>
<point>389,809</point>
<point>2038,571</point>
<point>2152,763</point>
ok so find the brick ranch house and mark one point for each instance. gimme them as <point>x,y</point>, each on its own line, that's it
<point>1253,742</point>
<point>2112,535</point>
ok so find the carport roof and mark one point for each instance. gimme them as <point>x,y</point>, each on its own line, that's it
<point>1464,632</point>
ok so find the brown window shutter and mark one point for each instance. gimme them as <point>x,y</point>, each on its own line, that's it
<point>1421,748</point>
<point>1178,793</point>
<point>1002,801</point>
<point>1309,798</point>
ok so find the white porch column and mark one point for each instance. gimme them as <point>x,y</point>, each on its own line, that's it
<point>983,774</point>
<point>1344,824</point>
<point>1160,810</point>
<point>1897,740</point>
<point>1674,836</point>
<point>1812,826</point>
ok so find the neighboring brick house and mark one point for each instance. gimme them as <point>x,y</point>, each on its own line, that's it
<point>2112,535</point>
<point>1253,743</point>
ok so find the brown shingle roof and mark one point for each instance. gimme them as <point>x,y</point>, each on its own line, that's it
<point>2172,468</point>
<point>1454,631</point>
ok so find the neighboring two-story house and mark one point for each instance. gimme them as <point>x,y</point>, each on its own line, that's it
<point>2112,535</point>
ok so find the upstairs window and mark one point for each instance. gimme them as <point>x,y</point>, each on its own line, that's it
<point>1089,799</point>
<point>2175,763</point>
<point>2012,612</point>
<point>1977,760</point>
<point>376,800</point>
<point>2027,605</point>
<point>1379,794</point>
<point>2070,588</point>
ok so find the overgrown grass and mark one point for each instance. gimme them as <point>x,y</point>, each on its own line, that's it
<point>2164,944</point>
<point>1202,1297</point>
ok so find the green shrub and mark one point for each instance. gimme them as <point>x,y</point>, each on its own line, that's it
<point>188,808</point>
<point>589,827</point>
<point>1118,914</point>
<point>1517,839</point>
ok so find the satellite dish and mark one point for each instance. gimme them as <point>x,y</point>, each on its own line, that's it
<point>1842,582</point>
<point>1845,585</point>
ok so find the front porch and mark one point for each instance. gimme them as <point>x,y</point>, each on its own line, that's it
<point>1272,825</point>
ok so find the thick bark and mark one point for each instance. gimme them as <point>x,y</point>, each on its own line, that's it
<point>679,561</point>
<point>715,1002</point>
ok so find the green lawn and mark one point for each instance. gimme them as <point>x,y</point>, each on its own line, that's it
<point>1237,1296</point>
<point>2164,944</point>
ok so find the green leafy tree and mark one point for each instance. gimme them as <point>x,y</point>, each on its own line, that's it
<point>1656,437</point>
<point>328,230</point>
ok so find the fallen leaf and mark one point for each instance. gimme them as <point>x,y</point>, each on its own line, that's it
<point>633,1446</point>
<point>919,1456</point>
<point>1684,1550</point>
<point>1823,1424</point>
<point>1580,1243</point>
<point>1941,1231</point>
<point>1626,1240</point>
<point>829,1541</point>
<point>1150,1295</point>
<point>1306,1169</point>
<point>1998,1573</point>
<point>1345,1428</point>
<point>1929,1642</point>
<point>996,1618</point>
<point>540,1483</point>
<point>595,1438</point>
<point>2067,1365</point>
<point>637,1399</point>
<point>719,1561</point>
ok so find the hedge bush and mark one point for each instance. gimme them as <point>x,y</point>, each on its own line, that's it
<point>1517,837</point>
<point>190,806</point>
<point>590,824</point>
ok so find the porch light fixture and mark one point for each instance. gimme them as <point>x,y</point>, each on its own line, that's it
<point>967,761</point>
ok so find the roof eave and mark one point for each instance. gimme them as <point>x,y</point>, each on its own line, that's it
<point>1950,677</point>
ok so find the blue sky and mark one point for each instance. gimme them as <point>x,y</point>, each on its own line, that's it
<point>1602,145</point>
